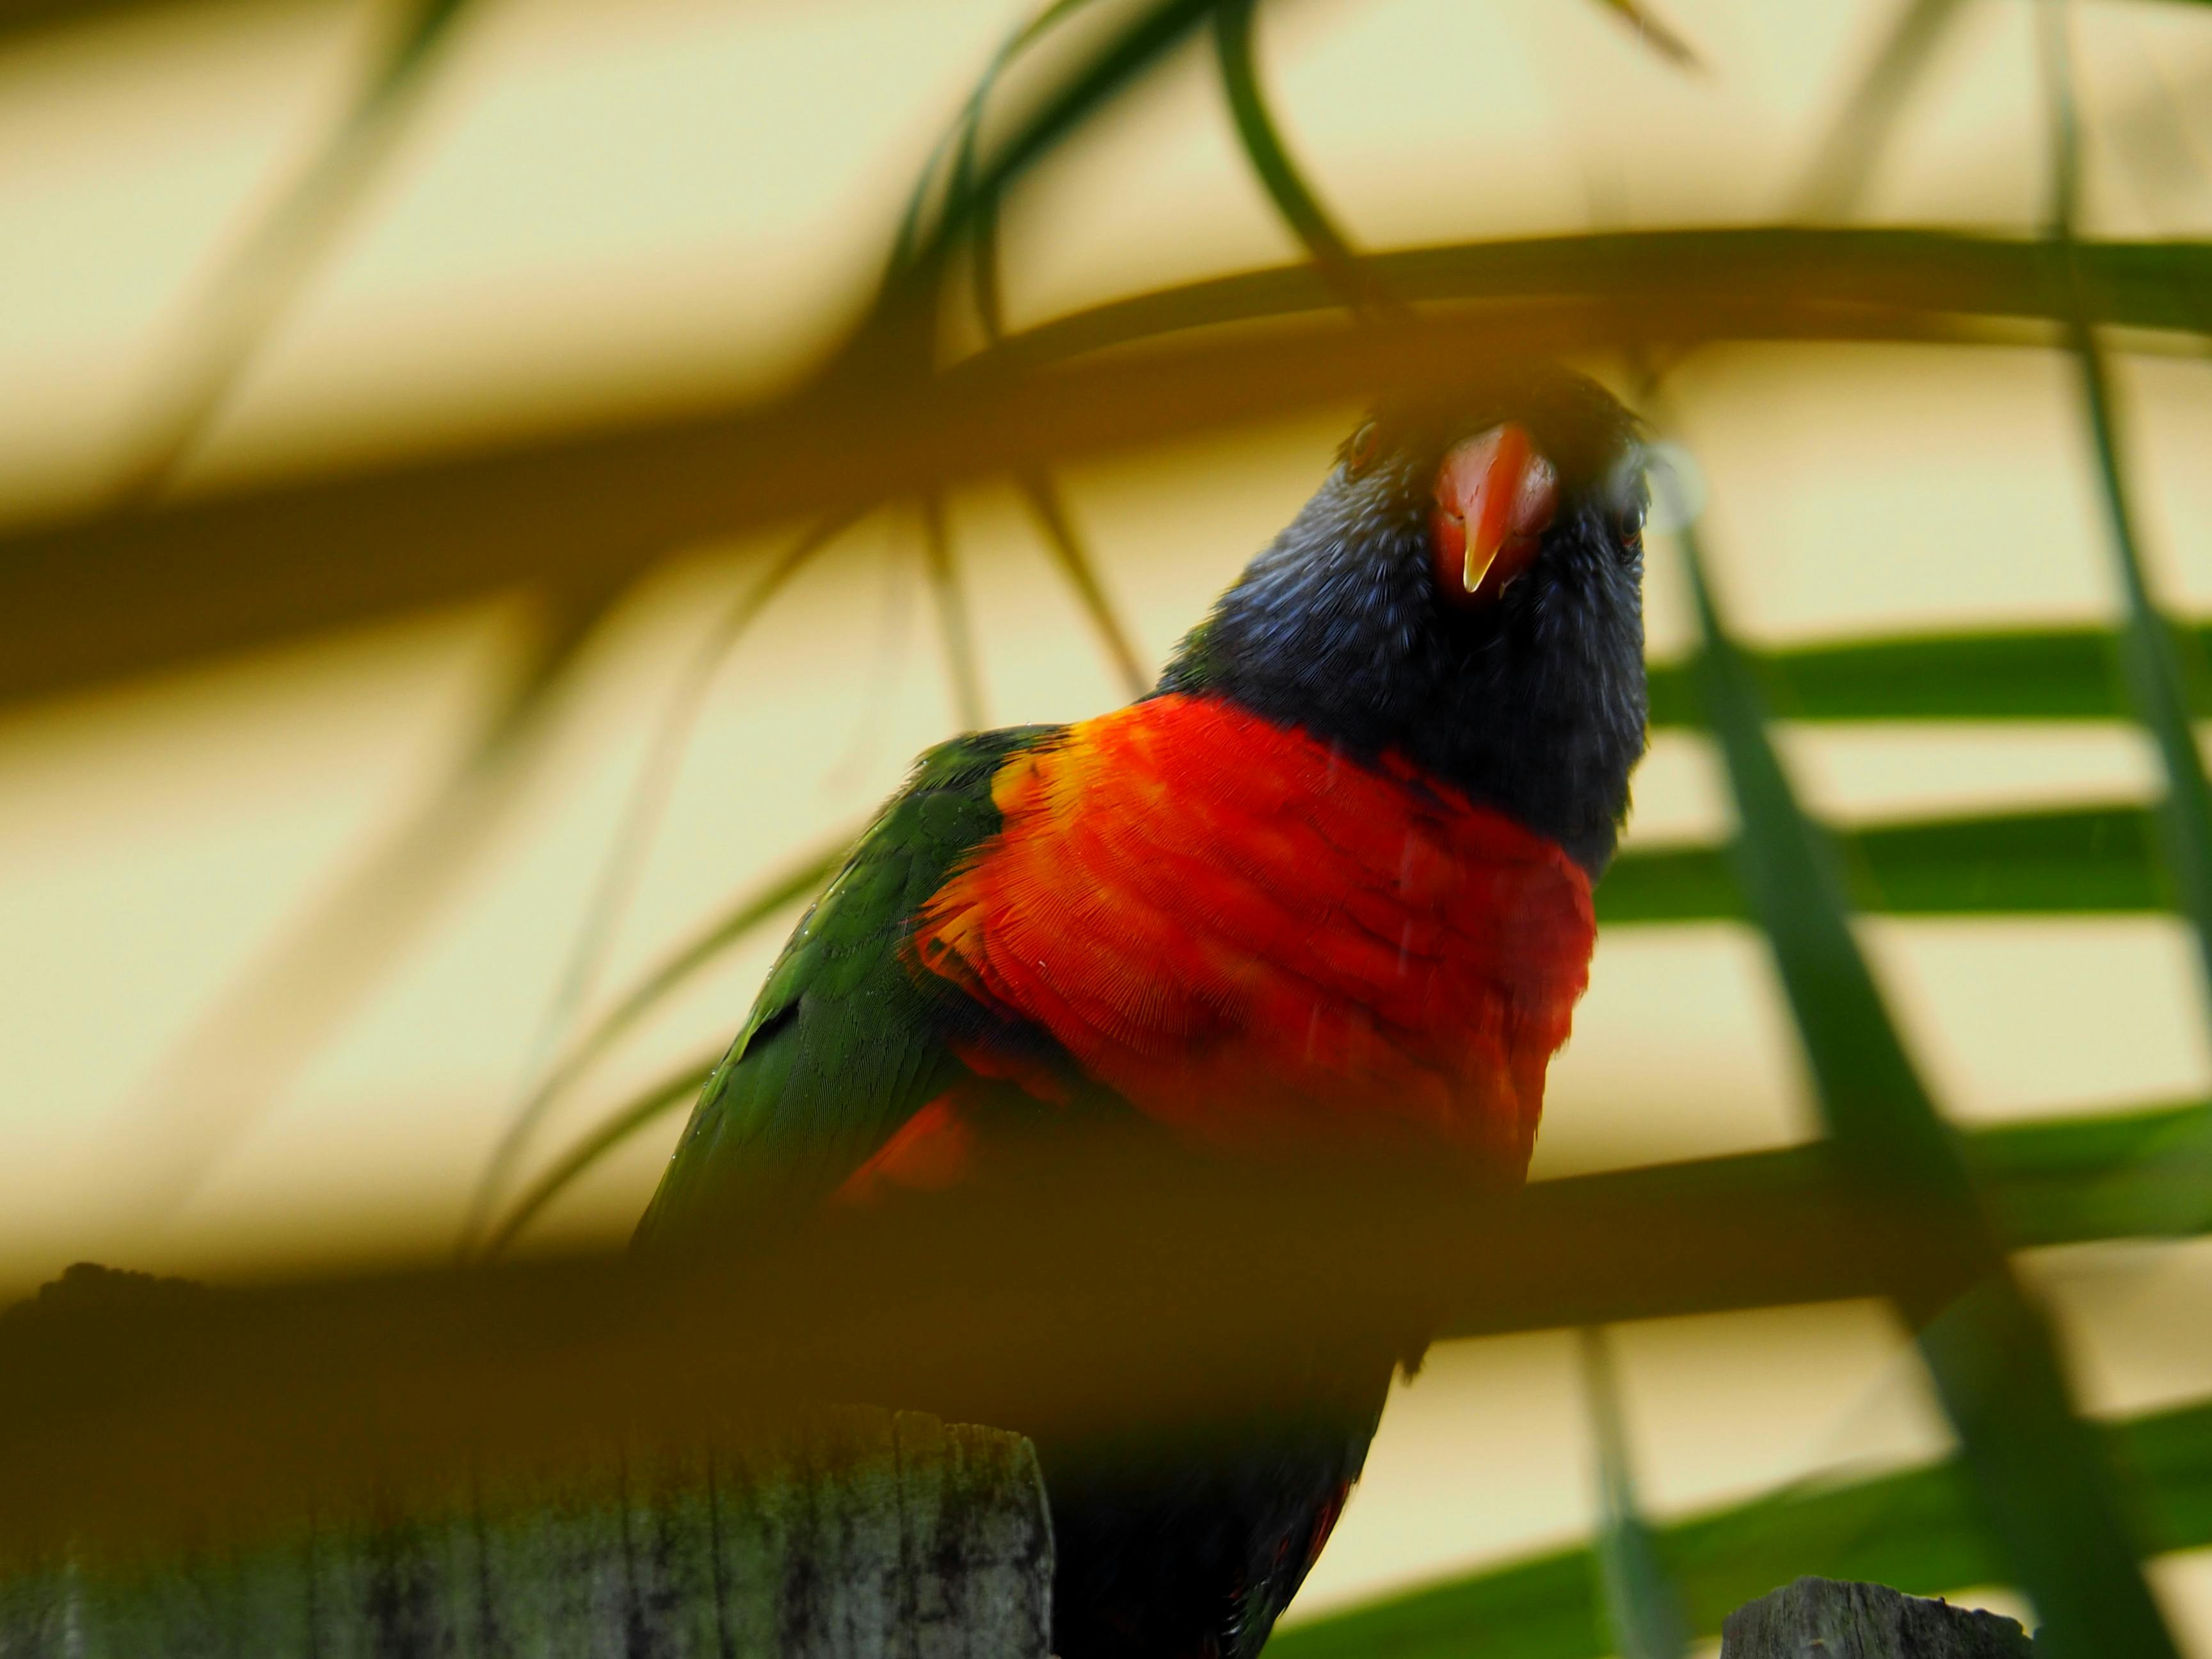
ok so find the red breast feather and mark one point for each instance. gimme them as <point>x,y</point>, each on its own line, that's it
<point>1256,941</point>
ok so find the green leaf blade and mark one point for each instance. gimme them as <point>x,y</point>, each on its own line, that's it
<point>1294,199</point>
<point>2038,1476</point>
<point>2082,860</point>
<point>2040,674</point>
<point>1916,1529</point>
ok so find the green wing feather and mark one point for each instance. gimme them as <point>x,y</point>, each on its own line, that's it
<point>842,1045</point>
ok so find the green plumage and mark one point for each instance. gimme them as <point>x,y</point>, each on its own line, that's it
<point>842,1045</point>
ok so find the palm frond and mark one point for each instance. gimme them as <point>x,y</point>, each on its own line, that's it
<point>1081,572</point>
<point>1653,32</point>
<point>704,948</point>
<point>960,137</point>
<point>293,1384</point>
<point>223,327</point>
<point>2042,1485</point>
<point>2148,652</point>
<point>84,601</point>
<point>674,1090</point>
<point>230,1069</point>
<point>1641,1603</point>
<point>1094,82</point>
<point>1070,556</point>
<point>1848,154</point>
<point>2071,860</point>
<point>1294,199</point>
<point>1916,1529</point>
<point>625,858</point>
<point>962,664</point>
<point>2024,674</point>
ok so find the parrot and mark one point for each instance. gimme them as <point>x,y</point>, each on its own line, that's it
<point>1328,884</point>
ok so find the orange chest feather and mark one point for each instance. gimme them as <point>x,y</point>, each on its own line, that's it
<point>1247,936</point>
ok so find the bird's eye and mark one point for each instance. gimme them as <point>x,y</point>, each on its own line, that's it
<point>1628,522</point>
<point>1359,454</point>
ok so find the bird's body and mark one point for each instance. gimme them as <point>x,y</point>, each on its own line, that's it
<point>1329,886</point>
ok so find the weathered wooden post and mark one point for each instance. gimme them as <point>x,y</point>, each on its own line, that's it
<point>1823,1618</point>
<point>718,1526</point>
<point>860,1534</point>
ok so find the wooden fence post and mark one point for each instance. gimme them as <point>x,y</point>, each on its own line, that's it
<point>1823,1618</point>
<point>862,1534</point>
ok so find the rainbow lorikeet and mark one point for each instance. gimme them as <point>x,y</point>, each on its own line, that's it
<point>1328,882</point>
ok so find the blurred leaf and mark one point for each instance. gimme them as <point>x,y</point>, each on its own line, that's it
<point>1146,36</point>
<point>2136,1175</point>
<point>673,1091</point>
<point>209,1088</point>
<point>1642,1604</point>
<point>2154,285</point>
<point>2042,674</point>
<point>633,839</point>
<point>1653,32</point>
<point>961,136</point>
<point>2065,1180</point>
<point>1081,571</point>
<point>1293,198</point>
<point>2139,1174</point>
<point>983,252</point>
<point>84,601</point>
<point>962,661</point>
<point>998,1305</point>
<point>1916,1530</point>
<point>1760,1229</point>
<point>2154,677</point>
<point>1847,157</point>
<point>225,325</point>
<point>2068,861</point>
<point>1073,559</point>
<point>2039,1474</point>
<point>803,879</point>
<point>24,14</point>
<point>960,139</point>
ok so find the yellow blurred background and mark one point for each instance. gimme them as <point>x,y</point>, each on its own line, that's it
<point>594,210</point>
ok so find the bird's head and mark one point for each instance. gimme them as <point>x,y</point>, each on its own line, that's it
<point>1465,589</point>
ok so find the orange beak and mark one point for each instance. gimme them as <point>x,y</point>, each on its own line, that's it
<point>1496,495</point>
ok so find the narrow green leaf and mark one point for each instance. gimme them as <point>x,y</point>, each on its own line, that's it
<point>1916,1530</point>
<point>2155,680</point>
<point>2069,862</point>
<point>2141,1173</point>
<point>804,878</point>
<point>1780,1228</point>
<point>1091,84</point>
<point>961,660</point>
<point>2042,674</point>
<point>1109,71</point>
<point>1915,274</point>
<point>225,324</point>
<point>677,1088</point>
<point>1286,186</point>
<point>1642,1604</point>
<point>278,1013</point>
<point>2136,1175</point>
<point>2036,1471</point>
<point>217,571</point>
<point>964,129</point>
<point>897,336</point>
<point>1081,571</point>
<point>1847,157</point>
<point>1073,559</point>
<point>1653,32</point>
<point>626,857</point>
<point>983,252</point>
